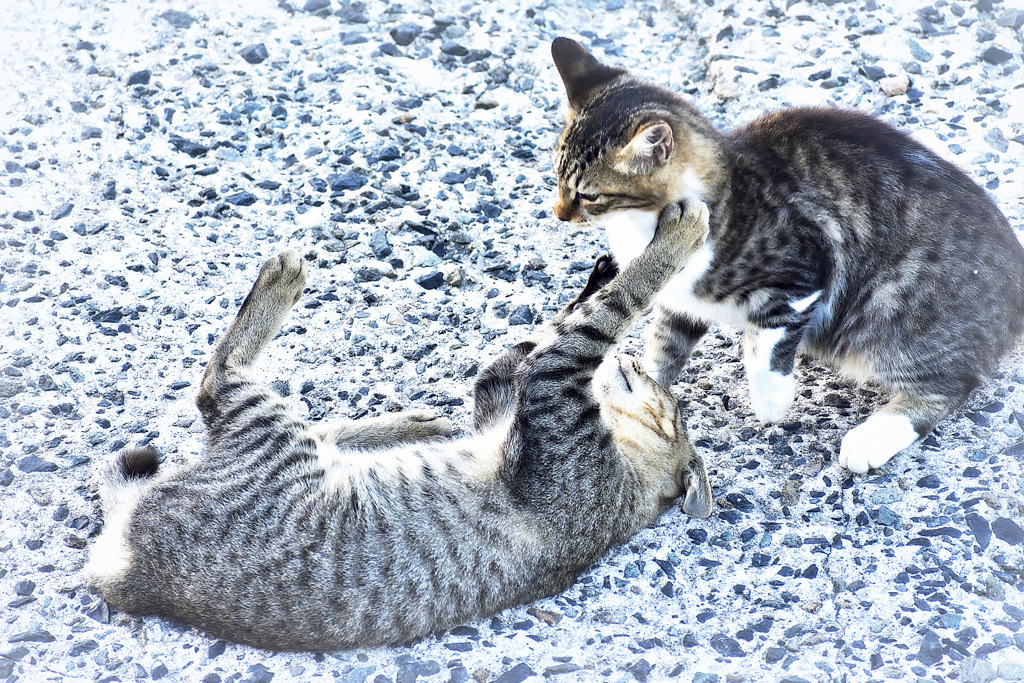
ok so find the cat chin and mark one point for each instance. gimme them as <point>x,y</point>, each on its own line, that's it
<point>628,232</point>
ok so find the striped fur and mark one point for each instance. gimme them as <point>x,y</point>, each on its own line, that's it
<point>291,536</point>
<point>831,232</point>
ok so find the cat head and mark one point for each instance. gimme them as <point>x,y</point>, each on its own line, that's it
<point>627,144</point>
<point>647,426</point>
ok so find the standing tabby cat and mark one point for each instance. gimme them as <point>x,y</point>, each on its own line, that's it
<point>292,536</point>
<point>830,231</point>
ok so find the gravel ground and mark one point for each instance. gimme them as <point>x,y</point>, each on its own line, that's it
<point>155,155</point>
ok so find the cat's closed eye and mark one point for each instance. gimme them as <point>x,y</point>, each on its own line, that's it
<point>589,196</point>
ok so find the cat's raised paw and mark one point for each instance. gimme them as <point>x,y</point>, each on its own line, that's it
<point>283,275</point>
<point>872,443</point>
<point>685,223</point>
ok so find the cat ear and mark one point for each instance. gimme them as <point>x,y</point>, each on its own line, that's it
<point>580,70</point>
<point>648,149</point>
<point>694,480</point>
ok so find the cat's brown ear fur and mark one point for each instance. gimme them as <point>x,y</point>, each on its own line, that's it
<point>650,147</point>
<point>580,71</point>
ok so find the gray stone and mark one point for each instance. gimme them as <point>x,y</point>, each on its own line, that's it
<point>36,635</point>
<point>726,646</point>
<point>995,55</point>
<point>976,670</point>
<point>254,54</point>
<point>1011,18</point>
<point>9,389</point>
<point>1005,529</point>
<point>930,651</point>
<point>33,463</point>
<point>177,18</point>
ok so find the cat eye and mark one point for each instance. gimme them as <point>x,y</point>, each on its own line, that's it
<point>588,197</point>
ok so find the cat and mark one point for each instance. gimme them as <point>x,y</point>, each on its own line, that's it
<point>291,536</point>
<point>831,232</point>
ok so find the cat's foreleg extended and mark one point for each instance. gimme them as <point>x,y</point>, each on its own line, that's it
<point>384,431</point>
<point>276,290</point>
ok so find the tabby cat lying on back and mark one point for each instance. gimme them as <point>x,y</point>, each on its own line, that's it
<point>292,536</point>
<point>830,232</point>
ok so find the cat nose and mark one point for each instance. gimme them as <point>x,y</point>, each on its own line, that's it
<point>564,210</point>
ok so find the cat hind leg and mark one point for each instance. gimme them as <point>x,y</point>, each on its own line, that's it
<point>895,427</point>
<point>277,288</point>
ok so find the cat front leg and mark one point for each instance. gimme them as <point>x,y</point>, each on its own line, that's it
<point>384,431</point>
<point>671,338</point>
<point>769,365</point>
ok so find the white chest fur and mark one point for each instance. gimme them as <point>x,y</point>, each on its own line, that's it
<point>630,231</point>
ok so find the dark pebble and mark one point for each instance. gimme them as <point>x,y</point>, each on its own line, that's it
<point>995,55</point>
<point>641,670</point>
<point>521,316</point>
<point>349,180</point>
<point>257,673</point>
<point>450,47</point>
<point>489,209</point>
<point>697,535</point>
<point>454,178</point>
<point>431,281</point>
<point>61,211</point>
<point>99,612</point>
<point>463,646</point>
<point>1006,529</point>
<point>774,654</point>
<point>24,216</point>
<point>404,34</point>
<point>314,6</point>
<point>160,670</point>
<point>36,635</point>
<point>517,674</point>
<point>24,588</point>
<point>6,477</point>
<point>109,189</point>
<point>931,648</point>
<point>82,647</point>
<point>33,463</point>
<point>408,672</point>
<point>193,149</point>
<point>268,185</point>
<point>980,528</point>
<point>740,502</point>
<point>254,54</point>
<point>820,75</point>
<point>139,78</point>
<point>930,481</point>
<point>241,199</point>
<point>874,73</point>
<point>726,646</point>
<point>177,19</point>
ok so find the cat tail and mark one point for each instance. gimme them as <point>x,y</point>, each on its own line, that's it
<point>121,486</point>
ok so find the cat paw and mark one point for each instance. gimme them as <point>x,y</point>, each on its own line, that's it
<point>685,224</point>
<point>605,270</point>
<point>771,395</point>
<point>872,443</point>
<point>283,276</point>
<point>422,424</point>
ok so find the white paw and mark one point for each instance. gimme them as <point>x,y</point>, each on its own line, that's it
<point>872,443</point>
<point>771,395</point>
